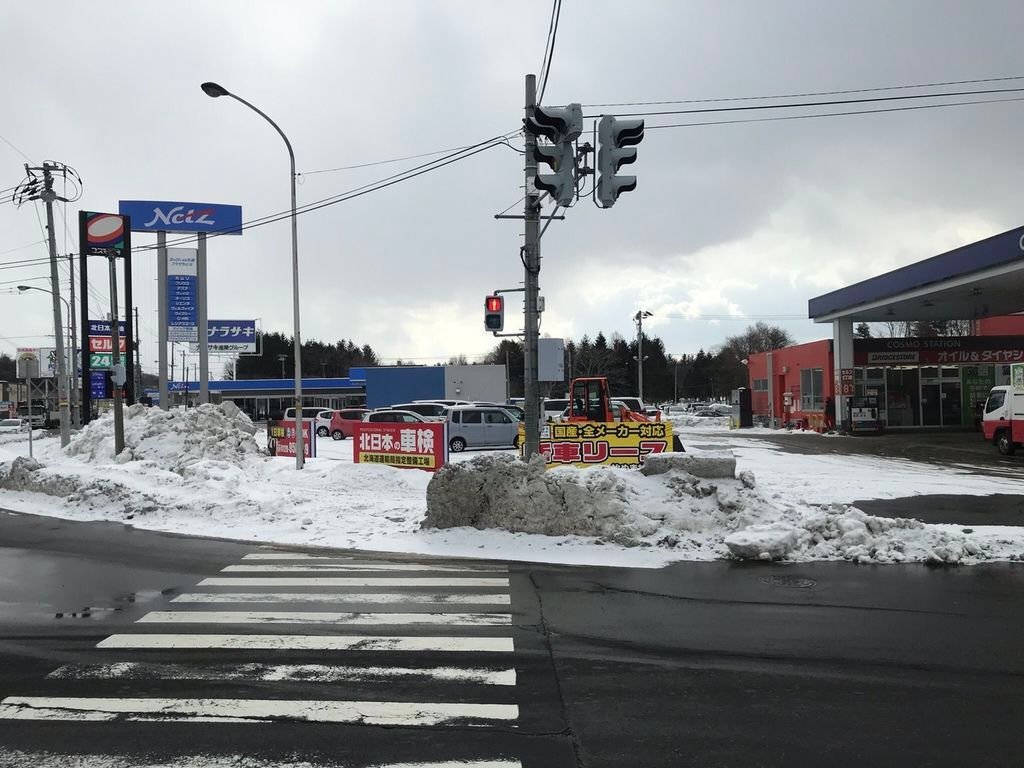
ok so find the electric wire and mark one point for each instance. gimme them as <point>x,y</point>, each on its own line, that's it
<point>810,93</point>
<point>809,104</point>
<point>549,50</point>
<point>7,141</point>
<point>833,114</point>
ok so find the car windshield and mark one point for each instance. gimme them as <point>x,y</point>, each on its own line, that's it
<point>10,423</point>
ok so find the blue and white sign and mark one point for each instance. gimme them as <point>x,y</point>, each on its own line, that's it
<point>239,336</point>
<point>98,385</point>
<point>102,328</point>
<point>170,216</point>
<point>182,294</point>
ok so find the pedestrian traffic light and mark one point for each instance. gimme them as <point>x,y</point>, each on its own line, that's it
<point>494,313</point>
<point>617,137</point>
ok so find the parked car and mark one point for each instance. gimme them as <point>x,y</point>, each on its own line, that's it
<point>13,425</point>
<point>635,404</point>
<point>395,417</point>
<point>473,426</point>
<point>515,410</point>
<point>445,402</point>
<point>724,409</point>
<point>617,408</point>
<point>323,422</point>
<point>708,412</point>
<point>343,421</point>
<point>552,407</point>
<point>432,411</point>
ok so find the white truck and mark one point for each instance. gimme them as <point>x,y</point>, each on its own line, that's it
<point>1003,420</point>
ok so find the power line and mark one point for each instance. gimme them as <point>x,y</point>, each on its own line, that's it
<point>549,48</point>
<point>834,114</point>
<point>9,144</point>
<point>392,160</point>
<point>23,247</point>
<point>341,197</point>
<point>810,93</point>
<point>808,104</point>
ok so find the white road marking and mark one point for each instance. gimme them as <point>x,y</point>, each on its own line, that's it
<point>308,673</point>
<point>20,759</point>
<point>341,597</point>
<point>351,581</point>
<point>342,567</point>
<point>469,565</point>
<point>323,617</point>
<point>394,713</point>
<point>312,642</point>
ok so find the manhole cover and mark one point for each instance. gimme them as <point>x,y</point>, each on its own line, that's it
<point>788,582</point>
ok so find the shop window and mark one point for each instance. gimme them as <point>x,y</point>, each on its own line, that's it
<point>812,387</point>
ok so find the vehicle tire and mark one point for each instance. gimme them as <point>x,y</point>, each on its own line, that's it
<point>1005,445</point>
<point>457,445</point>
<point>338,434</point>
<point>515,442</point>
<point>322,432</point>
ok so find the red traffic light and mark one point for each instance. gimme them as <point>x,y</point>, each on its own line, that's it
<point>494,313</point>
<point>494,304</point>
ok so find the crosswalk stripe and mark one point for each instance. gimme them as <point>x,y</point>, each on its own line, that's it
<point>352,581</point>
<point>305,673</point>
<point>393,713</point>
<point>323,617</point>
<point>470,565</point>
<point>311,642</point>
<point>341,597</point>
<point>313,567</point>
<point>21,759</point>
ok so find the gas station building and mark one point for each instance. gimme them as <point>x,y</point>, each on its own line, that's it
<point>903,382</point>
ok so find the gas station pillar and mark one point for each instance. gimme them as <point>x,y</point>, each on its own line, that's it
<point>842,360</point>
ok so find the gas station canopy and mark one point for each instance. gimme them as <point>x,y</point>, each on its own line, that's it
<point>982,279</point>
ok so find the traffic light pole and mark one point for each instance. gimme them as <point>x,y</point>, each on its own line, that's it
<point>531,263</point>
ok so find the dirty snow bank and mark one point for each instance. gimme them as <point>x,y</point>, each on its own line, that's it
<point>175,439</point>
<point>698,423</point>
<point>687,504</point>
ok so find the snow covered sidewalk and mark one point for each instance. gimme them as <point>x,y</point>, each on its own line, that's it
<point>204,472</point>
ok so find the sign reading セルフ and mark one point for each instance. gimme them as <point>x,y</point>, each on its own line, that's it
<point>415,446</point>
<point>584,444</point>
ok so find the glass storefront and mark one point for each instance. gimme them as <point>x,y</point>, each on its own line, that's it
<point>929,395</point>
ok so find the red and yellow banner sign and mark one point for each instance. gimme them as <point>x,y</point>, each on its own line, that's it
<point>588,443</point>
<point>416,446</point>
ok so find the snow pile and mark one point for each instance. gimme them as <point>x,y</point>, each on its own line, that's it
<point>688,503</point>
<point>697,423</point>
<point>177,440</point>
<point>670,507</point>
<point>847,533</point>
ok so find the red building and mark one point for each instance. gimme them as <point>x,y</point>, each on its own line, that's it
<point>919,382</point>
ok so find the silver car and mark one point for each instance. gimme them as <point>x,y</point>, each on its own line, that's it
<point>474,426</point>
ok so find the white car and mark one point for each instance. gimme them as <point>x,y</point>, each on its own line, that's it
<point>8,426</point>
<point>323,422</point>
<point>396,417</point>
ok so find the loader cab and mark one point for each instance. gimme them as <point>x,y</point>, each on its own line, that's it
<point>589,400</point>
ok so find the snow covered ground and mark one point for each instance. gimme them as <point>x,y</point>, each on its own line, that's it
<point>207,476</point>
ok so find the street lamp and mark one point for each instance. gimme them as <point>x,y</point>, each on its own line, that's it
<point>214,91</point>
<point>639,318</point>
<point>281,358</point>
<point>71,345</point>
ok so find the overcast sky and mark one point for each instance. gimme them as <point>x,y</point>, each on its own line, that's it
<point>746,220</point>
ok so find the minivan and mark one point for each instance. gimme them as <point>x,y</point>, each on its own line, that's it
<point>473,426</point>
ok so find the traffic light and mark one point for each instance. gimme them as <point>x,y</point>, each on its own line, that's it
<point>614,134</point>
<point>561,126</point>
<point>562,183</point>
<point>494,313</point>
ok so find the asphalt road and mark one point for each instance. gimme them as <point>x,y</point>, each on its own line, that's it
<point>704,664</point>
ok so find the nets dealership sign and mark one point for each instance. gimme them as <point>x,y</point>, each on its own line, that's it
<point>168,216</point>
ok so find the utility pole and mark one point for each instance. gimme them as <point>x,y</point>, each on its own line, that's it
<point>115,338</point>
<point>137,374</point>
<point>531,279</point>
<point>76,403</point>
<point>48,195</point>
<point>639,317</point>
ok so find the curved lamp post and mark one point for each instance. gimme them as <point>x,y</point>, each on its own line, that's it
<point>214,91</point>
